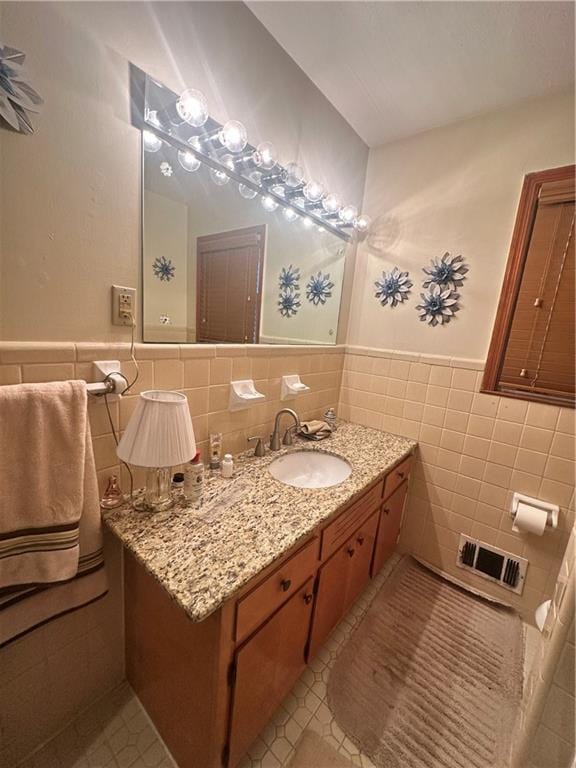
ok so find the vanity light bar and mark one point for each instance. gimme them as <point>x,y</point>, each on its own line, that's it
<point>170,117</point>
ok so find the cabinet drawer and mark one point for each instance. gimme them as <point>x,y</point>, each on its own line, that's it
<point>267,596</point>
<point>343,526</point>
<point>397,476</point>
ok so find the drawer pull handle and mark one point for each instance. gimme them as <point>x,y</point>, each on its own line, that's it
<point>308,599</point>
<point>386,511</point>
<point>285,584</point>
<point>350,551</point>
<point>401,475</point>
<point>360,540</point>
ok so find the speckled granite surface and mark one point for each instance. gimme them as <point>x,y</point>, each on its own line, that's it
<point>203,556</point>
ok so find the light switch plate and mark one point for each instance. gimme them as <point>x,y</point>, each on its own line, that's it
<point>123,305</point>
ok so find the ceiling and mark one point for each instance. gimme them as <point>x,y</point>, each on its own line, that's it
<point>393,69</point>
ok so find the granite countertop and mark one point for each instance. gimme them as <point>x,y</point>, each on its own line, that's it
<point>202,556</point>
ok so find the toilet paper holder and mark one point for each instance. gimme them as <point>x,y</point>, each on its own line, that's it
<point>551,510</point>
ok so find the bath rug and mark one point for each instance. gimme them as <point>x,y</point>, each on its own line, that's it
<point>432,676</point>
<point>313,752</point>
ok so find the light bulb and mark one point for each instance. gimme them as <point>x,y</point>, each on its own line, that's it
<point>278,189</point>
<point>265,155</point>
<point>248,192</point>
<point>308,223</point>
<point>192,107</point>
<point>289,214</point>
<point>188,161</point>
<point>151,142</point>
<point>362,223</point>
<point>331,203</point>
<point>233,136</point>
<point>268,203</point>
<point>219,177</point>
<point>348,214</point>
<point>228,161</point>
<point>313,191</point>
<point>293,175</point>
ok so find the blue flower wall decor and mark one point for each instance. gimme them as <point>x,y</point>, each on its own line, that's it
<point>438,306</point>
<point>17,97</point>
<point>163,269</point>
<point>288,303</point>
<point>449,271</point>
<point>393,288</point>
<point>289,279</point>
<point>319,288</point>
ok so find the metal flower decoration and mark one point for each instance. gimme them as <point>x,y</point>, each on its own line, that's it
<point>17,97</point>
<point>288,303</point>
<point>438,306</point>
<point>449,271</point>
<point>289,279</point>
<point>319,288</point>
<point>163,269</point>
<point>393,288</point>
<point>166,169</point>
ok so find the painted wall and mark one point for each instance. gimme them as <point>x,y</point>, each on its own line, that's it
<point>452,189</point>
<point>70,217</point>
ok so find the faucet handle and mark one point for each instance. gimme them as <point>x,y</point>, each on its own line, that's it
<point>260,450</point>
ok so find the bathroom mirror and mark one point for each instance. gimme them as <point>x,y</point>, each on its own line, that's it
<point>234,250</point>
<point>220,268</point>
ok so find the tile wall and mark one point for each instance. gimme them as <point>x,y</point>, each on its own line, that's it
<point>52,674</point>
<point>474,451</point>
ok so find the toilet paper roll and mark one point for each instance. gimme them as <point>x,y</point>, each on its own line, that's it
<point>530,519</point>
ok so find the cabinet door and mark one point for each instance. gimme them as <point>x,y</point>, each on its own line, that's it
<point>331,597</point>
<point>341,580</point>
<point>360,548</point>
<point>390,518</point>
<point>267,666</point>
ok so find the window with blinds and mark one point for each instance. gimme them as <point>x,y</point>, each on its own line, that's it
<point>532,353</point>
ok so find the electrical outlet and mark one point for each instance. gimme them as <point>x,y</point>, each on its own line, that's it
<point>123,305</point>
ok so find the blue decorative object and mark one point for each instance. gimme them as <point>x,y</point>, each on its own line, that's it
<point>319,288</point>
<point>163,269</point>
<point>393,288</point>
<point>449,271</point>
<point>289,279</point>
<point>17,97</point>
<point>288,303</point>
<point>438,306</point>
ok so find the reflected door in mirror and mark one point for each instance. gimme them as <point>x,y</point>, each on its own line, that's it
<point>229,286</point>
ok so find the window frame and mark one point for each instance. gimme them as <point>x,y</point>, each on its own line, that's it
<point>521,235</point>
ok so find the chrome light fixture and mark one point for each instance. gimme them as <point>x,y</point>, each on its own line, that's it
<point>348,214</point>
<point>313,191</point>
<point>362,223</point>
<point>265,156</point>
<point>151,142</point>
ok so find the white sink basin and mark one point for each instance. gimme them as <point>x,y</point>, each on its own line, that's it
<point>310,469</point>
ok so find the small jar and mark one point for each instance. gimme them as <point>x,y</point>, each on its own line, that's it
<point>227,465</point>
<point>330,418</point>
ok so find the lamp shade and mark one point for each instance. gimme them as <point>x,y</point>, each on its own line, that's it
<point>160,432</point>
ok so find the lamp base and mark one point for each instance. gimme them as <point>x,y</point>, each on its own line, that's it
<point>157,496</point>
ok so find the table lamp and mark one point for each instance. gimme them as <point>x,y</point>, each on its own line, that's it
<point>159,436</point>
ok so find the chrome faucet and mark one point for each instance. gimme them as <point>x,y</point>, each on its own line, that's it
<point>275,436</point>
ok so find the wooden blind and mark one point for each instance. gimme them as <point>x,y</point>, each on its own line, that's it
<point>539,355</point>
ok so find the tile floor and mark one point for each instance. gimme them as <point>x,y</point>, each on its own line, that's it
<point>117,733</point>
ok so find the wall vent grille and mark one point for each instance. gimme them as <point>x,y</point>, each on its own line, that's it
<point>492,563</point>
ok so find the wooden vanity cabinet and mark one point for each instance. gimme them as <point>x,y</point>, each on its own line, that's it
<point>211,687</point>
<point>341,580</point>
<point>266,667</point>
<point>389,527</point>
